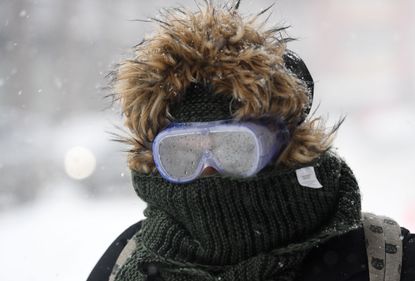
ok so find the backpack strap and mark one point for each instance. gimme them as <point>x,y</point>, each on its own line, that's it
<point>383,247</point>
<point>123,257</point>
<point>102,269</point>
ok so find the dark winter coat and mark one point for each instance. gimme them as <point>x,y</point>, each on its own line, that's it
<point>341,258</point>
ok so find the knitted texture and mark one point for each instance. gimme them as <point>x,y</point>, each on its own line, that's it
<point>224,228</point>
<point>199,104</point>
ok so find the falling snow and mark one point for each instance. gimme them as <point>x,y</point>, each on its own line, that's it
<point>50,101</point>
<point>22,13</point>
<point>58,82</point>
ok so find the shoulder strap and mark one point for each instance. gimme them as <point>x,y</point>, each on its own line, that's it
<point>383,247</point>
<point>106,263</point>
<point>123,257</point>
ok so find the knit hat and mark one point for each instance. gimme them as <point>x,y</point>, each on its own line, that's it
<point>200,103</point>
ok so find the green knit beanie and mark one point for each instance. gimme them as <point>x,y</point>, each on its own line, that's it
<point>201,104</point>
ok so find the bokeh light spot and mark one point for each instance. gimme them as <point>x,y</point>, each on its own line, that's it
<point>79,162</point>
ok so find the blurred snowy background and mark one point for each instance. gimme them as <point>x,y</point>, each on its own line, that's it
<point>65,190</point>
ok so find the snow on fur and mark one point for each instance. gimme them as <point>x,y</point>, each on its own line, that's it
<point>218,46</point>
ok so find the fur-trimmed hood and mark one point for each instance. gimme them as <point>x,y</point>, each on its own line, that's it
<point>218,46</point>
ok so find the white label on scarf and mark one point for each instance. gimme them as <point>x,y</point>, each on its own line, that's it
<point>307,177</point>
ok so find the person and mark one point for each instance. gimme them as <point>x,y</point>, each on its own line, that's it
<point>240,182</point>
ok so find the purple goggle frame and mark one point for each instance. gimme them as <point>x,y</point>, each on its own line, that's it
<point>237,148</point>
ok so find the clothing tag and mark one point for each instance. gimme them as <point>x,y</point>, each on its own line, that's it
<point>307,177</point>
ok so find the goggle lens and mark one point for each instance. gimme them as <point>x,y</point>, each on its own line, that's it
<point>181,155</point>
<point>236,152</point>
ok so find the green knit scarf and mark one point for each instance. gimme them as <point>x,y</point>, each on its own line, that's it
<point>252,229</point>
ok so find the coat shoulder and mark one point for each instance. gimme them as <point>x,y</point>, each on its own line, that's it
<point>408,259</point>
<point>344,258</point>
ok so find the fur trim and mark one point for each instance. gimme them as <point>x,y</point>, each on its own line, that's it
<point>234,54</point>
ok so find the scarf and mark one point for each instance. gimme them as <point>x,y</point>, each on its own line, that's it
<point>245,229</point>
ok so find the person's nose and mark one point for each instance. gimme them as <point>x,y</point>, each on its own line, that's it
<point>209,171</point>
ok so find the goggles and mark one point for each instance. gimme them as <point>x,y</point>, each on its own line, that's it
<point>183,150</point>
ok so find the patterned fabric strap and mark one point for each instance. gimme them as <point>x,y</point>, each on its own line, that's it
<point>384,247</point>
<point>123,257</point>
